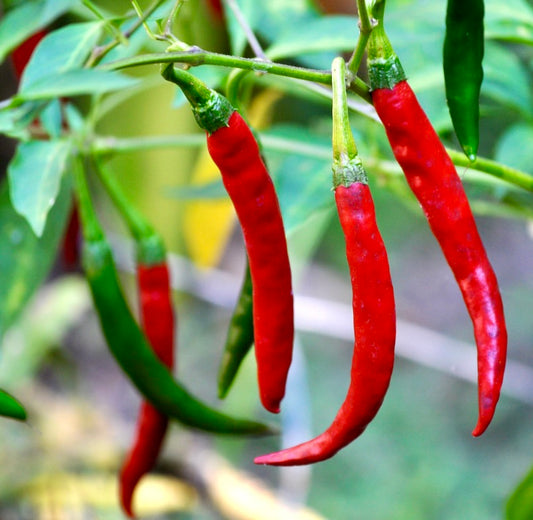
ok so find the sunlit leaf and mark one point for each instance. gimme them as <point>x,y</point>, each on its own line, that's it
<point>35,177</point>
<point>64,49</point>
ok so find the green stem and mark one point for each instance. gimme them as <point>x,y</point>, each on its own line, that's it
<point>99,53</point>
<point>197,56</point>
<point>365,28</point>
<point>92,231</point>
<point>500,171</point>
<point>211,110</point>
<point>108,25</point>
<point>347,166</point>
<point>150,247</point>
<point>109,145</point>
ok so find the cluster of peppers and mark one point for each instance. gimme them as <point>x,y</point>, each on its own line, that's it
<point>263,317</point>
<point>433,179</point>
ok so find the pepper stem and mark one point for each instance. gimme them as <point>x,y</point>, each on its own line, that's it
<point>211,109</point>
<point>384,67</point>
<point>347,166</point>
<point>150,246</point>
<point>92,231</point>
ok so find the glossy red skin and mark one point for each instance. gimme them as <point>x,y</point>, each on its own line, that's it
<point>374,322</point>
<point>435,183</point>
<point>235,152</point>
<point>22,54</point>
<point>157,320</point>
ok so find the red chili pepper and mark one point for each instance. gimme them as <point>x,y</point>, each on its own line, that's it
<point>22,54</point>
<point>157,320</point>
<point>234,149</point>
<point>433,179</point>
<point>374,316</point>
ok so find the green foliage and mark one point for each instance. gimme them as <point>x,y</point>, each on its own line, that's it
<point>34,178</point>
<point>35,202</point>
<point>25,260</point>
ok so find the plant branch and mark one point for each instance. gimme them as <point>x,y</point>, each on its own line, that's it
<point>101,51</point>
<point>108,145</point>
<point>365,28</point>
<point>506,173</point>
<point>245,26</point>
<point>196,56</point>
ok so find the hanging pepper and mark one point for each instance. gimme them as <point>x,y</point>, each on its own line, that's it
<point>128,344</point>
<point>463,69</point>
<point>433,179</point>
<point>240,337</point>
<point>374,315</point>
<point>157,321</point>
<point>233,148</point>
<point>10,407</point>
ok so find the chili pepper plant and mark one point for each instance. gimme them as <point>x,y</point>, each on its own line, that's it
<point>325,206</point>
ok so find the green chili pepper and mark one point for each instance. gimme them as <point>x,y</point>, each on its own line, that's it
<point>463,69</point>
<point>10,407</point>
<point>240,336</point>
<point>127,342</point>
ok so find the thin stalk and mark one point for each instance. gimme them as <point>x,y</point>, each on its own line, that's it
<point>110,145</point>
<point>365,28</point>
<point>100,52</point>
<point>92,231</point>
<point>249,34</point>
<point>500,171</point>
<point>137,224</point>
<point>197,56</point>
<point>109,26</point>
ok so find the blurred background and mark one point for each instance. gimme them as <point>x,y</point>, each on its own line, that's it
<point>417,459</point>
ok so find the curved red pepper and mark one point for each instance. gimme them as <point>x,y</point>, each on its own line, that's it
<point>374,321</point>
<point>374,316</point>
<point>435,183</point>
<point>234,150</point>
<point>157,320</point>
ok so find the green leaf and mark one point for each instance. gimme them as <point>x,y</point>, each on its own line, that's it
<point>25,260</point>
<point>520,503</point>
<point>76,82</point>
<point>330,33</point>
<point>51,118</point>
<point>14,121</point>
<point>75,120</point>
<point>34,179</point>
<point>26,19</point>
<point>514,147</point>
<point>62,50</point>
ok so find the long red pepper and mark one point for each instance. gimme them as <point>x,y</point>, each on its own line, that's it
<point>374,317</point>
<point>433,179</point>
<point>157,321</point>
<point>233,148</point>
